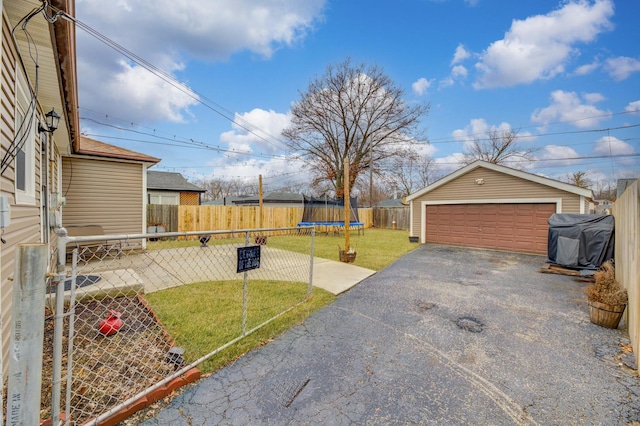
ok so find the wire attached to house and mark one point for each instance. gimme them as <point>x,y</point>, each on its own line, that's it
<point>23,131</point>
<point>174,82</point>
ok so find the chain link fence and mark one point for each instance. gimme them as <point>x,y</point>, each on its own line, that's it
<point>113,298</point>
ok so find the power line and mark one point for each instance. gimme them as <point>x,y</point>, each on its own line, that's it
<point>177,84</point>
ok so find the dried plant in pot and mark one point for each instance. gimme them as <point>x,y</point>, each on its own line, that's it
<point>607,299</point>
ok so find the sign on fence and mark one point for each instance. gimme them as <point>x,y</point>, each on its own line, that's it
<point>248,258</point>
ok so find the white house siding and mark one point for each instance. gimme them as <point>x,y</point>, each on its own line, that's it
<point>103,192</point>
<point>26,225</point>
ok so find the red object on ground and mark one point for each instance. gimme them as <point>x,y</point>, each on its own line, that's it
<point>111,324</point>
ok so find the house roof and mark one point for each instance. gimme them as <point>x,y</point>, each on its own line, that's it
<point>623,184</point>
<point>273,197</point>
<point>391,202</point>
<point>100,149</point>
<point>224,201</point>
<point>56,70</point>
<point>170,181</point>
<point>506,170</point>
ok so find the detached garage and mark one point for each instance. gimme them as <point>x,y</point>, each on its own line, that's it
<point>490,206</point>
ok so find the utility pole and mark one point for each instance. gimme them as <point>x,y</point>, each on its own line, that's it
<point>371,176</point>
<point>347,205</point>
<point>260,202</point>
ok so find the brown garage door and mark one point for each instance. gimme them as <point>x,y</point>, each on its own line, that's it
<point>514,227</point>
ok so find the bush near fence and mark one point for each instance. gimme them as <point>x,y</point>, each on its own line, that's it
<point>181,218</point>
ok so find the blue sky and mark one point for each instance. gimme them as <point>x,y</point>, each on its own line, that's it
<point>565,74</point>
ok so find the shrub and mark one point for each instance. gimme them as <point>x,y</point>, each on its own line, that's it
<point>605,288</point>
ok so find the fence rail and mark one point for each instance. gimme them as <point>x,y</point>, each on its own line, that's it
<point>105,308</point>
<point>174,218</point>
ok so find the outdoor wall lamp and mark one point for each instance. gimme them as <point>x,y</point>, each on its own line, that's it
<point>52,120</point>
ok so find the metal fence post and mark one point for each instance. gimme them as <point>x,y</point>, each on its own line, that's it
<point>58,326</point>
<point>27,332</point>
<point>313,238</point>
<point>245,290</point>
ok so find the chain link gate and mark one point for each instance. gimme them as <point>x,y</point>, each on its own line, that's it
<point>109,346</point>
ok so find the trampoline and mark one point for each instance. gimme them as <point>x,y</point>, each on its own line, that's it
<point>327,214</point>
<point>334,227</point>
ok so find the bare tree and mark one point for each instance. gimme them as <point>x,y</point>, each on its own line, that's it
<point>579,179</point>
<point>354,112</point>
<point>412,172</point>
<point>498,148</point>
<point>605,189</point>
<point>221,188</point>
<point>428,171</point>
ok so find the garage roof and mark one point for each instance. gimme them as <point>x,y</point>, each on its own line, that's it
<point>506,170</point>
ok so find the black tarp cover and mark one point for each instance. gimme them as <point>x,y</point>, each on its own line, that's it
<point>580,241</point>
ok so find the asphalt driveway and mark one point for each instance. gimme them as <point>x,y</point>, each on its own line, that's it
<point>443,336</point>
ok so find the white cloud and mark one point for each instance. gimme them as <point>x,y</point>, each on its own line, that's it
<point>459,71</point>
<point>246,168</point>
<point>471,3</point>
<point>169,34</point>
<point>134,93</point>
<point>478,129</point>
<point>450,163</point>
<point>421,86</point>
<point>460,54</point>
<point>446,82</point>
<point>540,46</point>
<point>424,149</point>
<point>556,156</point>
<point>622,67</point>
<point>593,98</point>
<point>612,146</point>
<point>568,107</point>
<point>257,131</point>
<point>587,68</point>
<point>633,107</point>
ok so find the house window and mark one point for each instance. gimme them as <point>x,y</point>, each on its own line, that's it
<point>25,173</point>
<point>164,198</point>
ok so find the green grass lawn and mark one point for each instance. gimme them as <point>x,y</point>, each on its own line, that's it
<point>201,317</point>
<point>204,316</point>
<point>376,248</point>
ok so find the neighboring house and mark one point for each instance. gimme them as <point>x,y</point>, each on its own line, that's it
<point>172,188</point>
<point>602,206</point>
<point>225,201</point>
<point>31,160</point>
<point>491,206</point>
<point>53,178</point>
<point>623,184</point>
<point>391,203</point>
<point>105,185</point>
<point>273,199</point>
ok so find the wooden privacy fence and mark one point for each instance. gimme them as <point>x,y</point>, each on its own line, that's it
<point>163,215</point>
<point>626,212</point>
<point>226,218</point>
<point>383,217</point>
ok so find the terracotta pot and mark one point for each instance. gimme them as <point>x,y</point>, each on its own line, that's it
<point>605,315</point>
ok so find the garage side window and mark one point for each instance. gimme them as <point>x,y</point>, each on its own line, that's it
<point>25,174</point>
